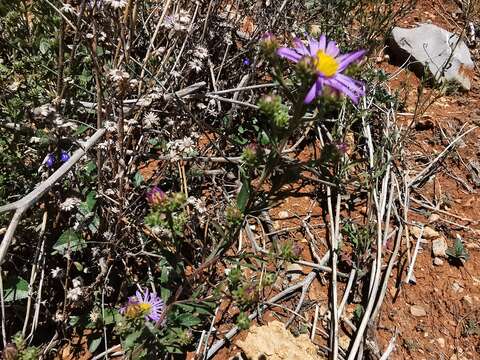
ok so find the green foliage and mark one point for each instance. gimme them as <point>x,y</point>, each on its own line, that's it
<point>169,215</point>
<point>70,240</point>
<point>246,294</point>
<point>290,251</point>
<point>25,352</point>
<point>243,322</point>
<point>458,252</point>
<point>15,288</point>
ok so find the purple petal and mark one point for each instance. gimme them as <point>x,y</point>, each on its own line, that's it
<point>322,42</point>
<point>289,54</point>
<point>139,296</point>
<point>311,94</point>
<point>351,88</point>
<point>332,49</point>
<point>349,58</point>
<point>300,47</point>
<point>314,46</point>
<point>314,91</point>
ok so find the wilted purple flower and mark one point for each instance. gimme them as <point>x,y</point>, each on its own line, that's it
<point>328,65</point>
<point>49,160</point>
<point>156,196</point>
<point>148,305</point>
<point>64,157</point>
<point>342,147</point>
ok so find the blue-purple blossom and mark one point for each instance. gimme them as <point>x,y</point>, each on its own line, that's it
<point>328,64</point>
<point>49,160</point>
<point>246,61</point>
<point>146,304</point>
<point>64,156</point>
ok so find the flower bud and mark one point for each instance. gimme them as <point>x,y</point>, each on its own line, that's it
<point>269,44</point>
<point>49,160</point>
<point>64,156</point>
<point>156,196</point>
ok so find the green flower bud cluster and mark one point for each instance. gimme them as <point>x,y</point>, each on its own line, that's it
<point>269,45</point>
<point>272,107</point>
<point>243,322</point>
<point>251,154</point>
<point>233,216</point>
<point>168,213</point>
<point>290,251</point>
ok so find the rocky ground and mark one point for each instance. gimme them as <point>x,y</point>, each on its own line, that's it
<point>436,316</point>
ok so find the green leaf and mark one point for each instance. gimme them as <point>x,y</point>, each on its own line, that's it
<point>80,130</point>
<point>188,320</point>
<point>200,308</point>
<point>164,275</point>
<point>90,167</point>
<point>243,196</point>
<point>78,265</point>
<point>69,239</point>
<point>264,139</point>
<point>94,344</point>
<point>131,339</point>
<point>44,46</point>
<point>164,293</point>
<point>90,202</point>
<point>111,316</point>
<point>95,223</point>
<point>15,288</point>
<point>137,179</point>
<point>74,320</point>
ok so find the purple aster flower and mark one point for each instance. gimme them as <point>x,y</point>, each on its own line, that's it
<point>64,157</point>
<point>328,65</point>
<point>156,196</point>
<point>49,160</point>
<point>148,305</point>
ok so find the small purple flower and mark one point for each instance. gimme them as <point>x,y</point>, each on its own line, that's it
<point>246,61</point>
<point>267,36</point>
<point>156,196</point>
<point>328,65</point>
<point>342,147</point>
<point>64,156</point>
<point>49,160</point>
<point>146,304</point>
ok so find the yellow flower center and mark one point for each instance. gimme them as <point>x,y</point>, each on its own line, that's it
<point>325,64</point>
<point>136,310</point>
<point>145,308</point>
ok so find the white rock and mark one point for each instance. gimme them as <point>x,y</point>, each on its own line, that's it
<point>439,247</point>
<point>437,261</point>
<point>444,55</point>
<point>294,271</point>
<point>434,217</point>
<point>456,287</point>
<point>428,232</point>
<point>418,311</point>
<point>283,215</point>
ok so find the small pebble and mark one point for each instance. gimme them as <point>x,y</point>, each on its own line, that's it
<point>439,247</point>
<point>437,261</point>
<point>418,311</point>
